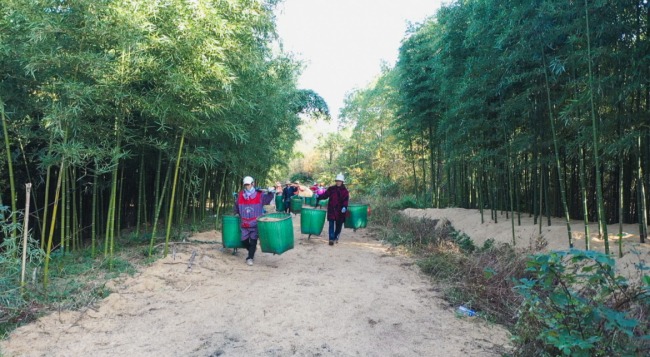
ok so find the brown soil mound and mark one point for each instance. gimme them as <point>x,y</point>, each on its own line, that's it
<point>554,236</point>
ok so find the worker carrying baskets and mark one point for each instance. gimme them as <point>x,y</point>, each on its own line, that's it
<point>250,206</point>
<point>339,197</point>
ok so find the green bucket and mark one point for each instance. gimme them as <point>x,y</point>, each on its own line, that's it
<point>323,203</point>
<point>312,221</point>
<point>276,237</point>
<point>231,232</point>
<point>279,203</point>
<point>309,200</point>
<point>358,216</point>
<point>296,204</point>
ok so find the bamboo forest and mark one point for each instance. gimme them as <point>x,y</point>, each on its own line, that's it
<point>501,164</point>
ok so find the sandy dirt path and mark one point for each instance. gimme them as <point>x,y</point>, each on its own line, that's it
<point>357,298</point>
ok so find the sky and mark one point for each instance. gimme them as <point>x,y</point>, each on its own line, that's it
<point>343,42</point>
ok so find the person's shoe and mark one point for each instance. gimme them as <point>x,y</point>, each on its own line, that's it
<point>249,262</point>
<point>336,241</point>
<point>331,242</point>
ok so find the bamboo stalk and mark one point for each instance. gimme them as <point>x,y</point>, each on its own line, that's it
<point>223,182</point>
<point>620,208</point>
<point>557,153</point>
<point>642,202</point>
<point>171,203</point>
<point>119,205</point>
<point>140,189</point>
<point>47,195</point>
<point>10,167</point>
<point>599,185</point>
<point>64,188</point>
<point>52,225</point>
<point>583,188</point>
<point>158,208</point>
<point>28,190</point>
<point>94,215</point>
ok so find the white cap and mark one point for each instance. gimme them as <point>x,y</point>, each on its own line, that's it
<point>340,177</point>
<point>248,180</point>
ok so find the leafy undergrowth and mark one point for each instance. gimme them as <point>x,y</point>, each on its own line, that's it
<point>563,303</point>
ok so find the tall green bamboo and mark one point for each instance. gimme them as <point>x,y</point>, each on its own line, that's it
<point>47,196</point>
<point>111,221</point>
<point>512,203</point>
<point>620,206</point>
<point>157,186</point>
<point>10,166</point>
<point>73,215</point>
<point>120,194</point>
<point>583,189</point>
<point>93,227</point>
<point>140,191</point>
<point>223,182</point>
<point>599,186</point>
<point>557,152</point>
<point>48,251</point>
<point>158,208</point>
<point>642,202</point>
<point>64,231</point>
<point>171,203</point>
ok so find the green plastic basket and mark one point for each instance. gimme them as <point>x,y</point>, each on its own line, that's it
<point>279,203</point>
<point>312,221</point>
<point>231,232</point>
<point>323,203</point>
<point>358,216</point>
<point>296,204</point>
<point>309,200</point>
<point>276,237</point>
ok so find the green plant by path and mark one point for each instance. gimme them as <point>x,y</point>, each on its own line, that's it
<point>575,305</point>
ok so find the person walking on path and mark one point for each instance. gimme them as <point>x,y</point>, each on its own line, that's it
<point>249,206</point>
<point>288,192</point>
<point>339,198</point>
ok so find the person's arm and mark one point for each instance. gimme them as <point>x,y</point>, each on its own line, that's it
<point>346,200</point>
<point>324,196</point>
<point>268,198</point>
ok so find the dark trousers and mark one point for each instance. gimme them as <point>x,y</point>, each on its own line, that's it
<point>287,206</point>
<point>335,229</point>
<point>251,245</point>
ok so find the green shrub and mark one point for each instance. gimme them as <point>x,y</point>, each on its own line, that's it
<point>575,305</point>
<point>404,203</point>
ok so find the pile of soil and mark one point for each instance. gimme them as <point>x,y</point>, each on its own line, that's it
<point>554,237</point>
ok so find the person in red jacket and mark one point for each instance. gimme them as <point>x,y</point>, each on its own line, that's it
<point>339,198</point>
<point>249,206</point>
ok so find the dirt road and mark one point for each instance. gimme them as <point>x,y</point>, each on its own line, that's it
<point>356,298</point>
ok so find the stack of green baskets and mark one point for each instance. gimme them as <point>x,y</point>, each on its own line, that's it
<point>231,232</point>
<point>312,221</point>
<point>279,204</point>
<point>276,237</point>
<point>296,204</point>
<point>358,216</point>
